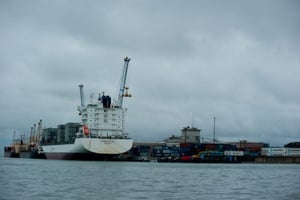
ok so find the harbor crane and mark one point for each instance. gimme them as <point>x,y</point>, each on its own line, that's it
<point>123,91</point>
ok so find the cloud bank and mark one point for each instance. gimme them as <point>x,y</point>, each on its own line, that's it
<point>191,61</point>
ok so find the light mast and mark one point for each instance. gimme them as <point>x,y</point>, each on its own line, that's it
<point>214,129</point>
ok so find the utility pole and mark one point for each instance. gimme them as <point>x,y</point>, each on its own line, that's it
<point>214,130</point>
<point>184,134</point>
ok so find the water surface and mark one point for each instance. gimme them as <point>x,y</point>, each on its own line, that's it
<point>57,179</point>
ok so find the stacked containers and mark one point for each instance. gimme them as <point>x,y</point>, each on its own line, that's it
<point>280,151</point>
<point>210,151</point>
<point>293,152</point>
<point>140,151</point>
<point>60,134</point>
<point>157,151</point>
<point>186,149</point>
<point>49,136</point>
<point>164,151</point>
<point>70,132</point>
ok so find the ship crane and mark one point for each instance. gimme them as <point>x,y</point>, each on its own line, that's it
<point>123,91</point>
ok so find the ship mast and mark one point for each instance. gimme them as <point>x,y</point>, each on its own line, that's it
<point>82,99</point>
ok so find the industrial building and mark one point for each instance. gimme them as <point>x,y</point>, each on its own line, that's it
<point>188,134</point>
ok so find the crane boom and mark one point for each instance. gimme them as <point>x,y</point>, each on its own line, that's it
<point>122,83</point>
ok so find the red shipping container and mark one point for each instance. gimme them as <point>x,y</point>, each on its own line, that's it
<point>210,146</point>
<point>186,158</point>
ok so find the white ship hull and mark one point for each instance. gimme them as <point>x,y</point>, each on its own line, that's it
<point>88,149</point>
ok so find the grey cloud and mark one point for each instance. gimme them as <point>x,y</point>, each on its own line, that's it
<point>237,61</point>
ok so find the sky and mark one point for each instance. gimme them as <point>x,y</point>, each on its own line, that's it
<point>191,61</point>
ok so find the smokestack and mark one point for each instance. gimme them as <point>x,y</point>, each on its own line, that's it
<point>82,95</point>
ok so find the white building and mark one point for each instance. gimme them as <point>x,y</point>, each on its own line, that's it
<point>187,135</point>
<point>190,134</point>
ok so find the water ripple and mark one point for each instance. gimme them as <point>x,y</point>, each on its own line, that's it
<point>76,180</point>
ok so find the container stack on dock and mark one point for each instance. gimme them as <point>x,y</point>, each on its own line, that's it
<point>209,152</point>
<point>204,153</point>
<point>279,155</point>
<point>235,152</point>
<point>140,152</point>
<point>165,151</point>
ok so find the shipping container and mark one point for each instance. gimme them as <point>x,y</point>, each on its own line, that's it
<point>215,153</point>
<point>292,145</point>
<point>184,150</point>
<point>186,158</point>
<point>210,146</point>
<point>158,147</point>
<point>233,153</point>
<point>219,146</point>
<point>273,151</point>
<point>254,154</point>
<point>199,146</point>
<point>166,151</point>
<point>185,145</point>
<point>292,151</point>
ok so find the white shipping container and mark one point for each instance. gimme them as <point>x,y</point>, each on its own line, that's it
<point>265,151</point>
<point>233,153</point>
<point>275,151</point>
<point>166,151</point>
<point>292,151</point>
<point>278,152</point>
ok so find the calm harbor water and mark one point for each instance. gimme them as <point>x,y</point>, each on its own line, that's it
<point>57,179</point>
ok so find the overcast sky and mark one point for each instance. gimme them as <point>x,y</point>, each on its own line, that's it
<point>190,61</point>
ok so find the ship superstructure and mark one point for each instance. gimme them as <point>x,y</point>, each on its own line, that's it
<point>102,131</point>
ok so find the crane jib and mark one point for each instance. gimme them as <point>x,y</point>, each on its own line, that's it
<point>123,82</point>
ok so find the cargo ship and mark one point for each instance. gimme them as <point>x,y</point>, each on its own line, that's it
<point>101,134</point>
<point>26,146</point>
<point>21,150</point>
